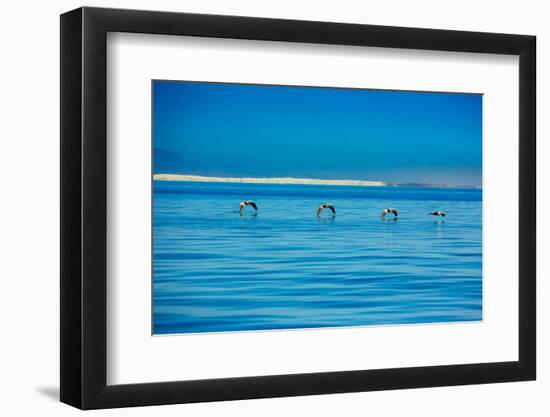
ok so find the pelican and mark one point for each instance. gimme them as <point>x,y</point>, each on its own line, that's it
<point>247,203</point>
<point>389,210</point>
<point>438,213</point>
<point>324,206</point>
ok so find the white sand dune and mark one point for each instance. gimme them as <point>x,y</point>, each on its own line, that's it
<point>284,180</point>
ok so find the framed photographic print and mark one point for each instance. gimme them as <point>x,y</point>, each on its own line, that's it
<point>258,208</point>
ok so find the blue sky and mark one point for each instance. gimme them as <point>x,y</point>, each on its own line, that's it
<point>239,130</point>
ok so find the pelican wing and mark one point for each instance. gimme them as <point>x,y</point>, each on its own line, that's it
<point>253,204</point>
<point>331,208</point>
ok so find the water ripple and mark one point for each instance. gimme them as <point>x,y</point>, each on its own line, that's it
<point>285,268</point>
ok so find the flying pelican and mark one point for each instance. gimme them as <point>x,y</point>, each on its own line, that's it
<point>247,203</point>
<point>438,213</point>
<point>389,210</point>
<point>324,206</point>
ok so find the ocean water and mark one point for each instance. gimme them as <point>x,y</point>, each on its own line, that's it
<point>284,268</point>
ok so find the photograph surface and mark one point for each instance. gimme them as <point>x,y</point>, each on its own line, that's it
<point>291,207</point>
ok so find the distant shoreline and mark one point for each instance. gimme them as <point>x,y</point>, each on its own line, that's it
<point>279,180</point>
<point>303,181</point>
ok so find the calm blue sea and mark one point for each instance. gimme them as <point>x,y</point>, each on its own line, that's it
<point>217,271</point>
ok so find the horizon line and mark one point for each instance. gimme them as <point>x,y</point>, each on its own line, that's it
<point>293,180</point>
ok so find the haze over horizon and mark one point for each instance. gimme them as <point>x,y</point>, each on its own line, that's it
<point>258,131</point>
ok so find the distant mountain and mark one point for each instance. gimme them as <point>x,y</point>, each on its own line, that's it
<point>168,161</point>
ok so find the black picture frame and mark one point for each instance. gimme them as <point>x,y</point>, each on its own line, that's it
<point>84,207</point>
